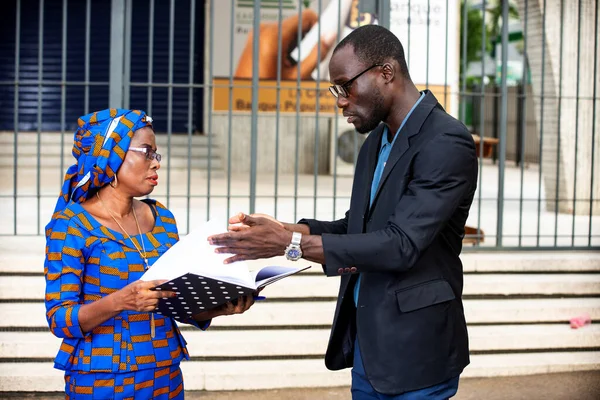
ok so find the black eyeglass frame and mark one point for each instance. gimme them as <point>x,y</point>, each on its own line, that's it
<point>341,89</point>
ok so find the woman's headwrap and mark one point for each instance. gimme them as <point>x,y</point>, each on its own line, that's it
<point>100,144</point>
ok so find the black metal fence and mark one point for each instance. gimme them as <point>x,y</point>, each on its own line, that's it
<point>246,122</point>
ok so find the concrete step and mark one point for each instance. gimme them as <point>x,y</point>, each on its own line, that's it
<point>311,286</point>
<point>25,254</point>
<point>320,313</point>
<point>201,147</point>
<point>31,138</point>
<point>313,342</point>
<point>259,374</point>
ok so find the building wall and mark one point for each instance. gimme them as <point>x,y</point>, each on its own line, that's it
<point>561,58</point>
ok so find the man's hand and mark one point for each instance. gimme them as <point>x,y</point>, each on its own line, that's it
<point>251,237</point>
<point>238,221</point>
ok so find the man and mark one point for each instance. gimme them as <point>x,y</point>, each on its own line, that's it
<point>399,319</point>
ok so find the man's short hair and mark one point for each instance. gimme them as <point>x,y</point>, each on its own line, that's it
<point>375,44</point>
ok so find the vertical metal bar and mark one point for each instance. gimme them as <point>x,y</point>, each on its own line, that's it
<point>518,132</point>
<point>297,142</point>
<point>481,123</point>
<point>355,135</point>
<point>463,108</point>
<point>117,18</point>
<point>576,123</point>
<point>446,62</point>
<point>127,54</point>
<point>427,44</point>
<point>39,110</point>
<point>191,108</point>
<point>150,56</point>
<point>170,95</point>
<point>408,37</point>
<point>88,29</point>
<point>230,111</point>
<point>594,101</point>
<point>278,110</point>
<point>16,111</point>
<point>503,123</point>
<point>523,123</point>
<point>63,89</point>
<point>254,121</point>
<point>317,104</point>
<point>558,133</point>
<point>384,13</point>
<point>211,52</point>
<point>541,155</point>
<point>335,123</point>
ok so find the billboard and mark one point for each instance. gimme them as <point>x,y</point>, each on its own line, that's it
<point>428,31</point>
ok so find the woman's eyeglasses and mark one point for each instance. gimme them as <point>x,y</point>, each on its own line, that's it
<point>342,90</point>
<point>150,154</point>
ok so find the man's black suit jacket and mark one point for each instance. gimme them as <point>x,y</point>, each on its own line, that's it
<point>409,320</point>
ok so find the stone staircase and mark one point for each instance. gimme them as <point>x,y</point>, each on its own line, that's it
<point>200,150</point>
<point>517,306</point>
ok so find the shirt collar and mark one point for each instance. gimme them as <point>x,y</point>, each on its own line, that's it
<point>384,137</point>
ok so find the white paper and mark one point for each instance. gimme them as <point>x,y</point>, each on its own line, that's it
<point>192,253</point>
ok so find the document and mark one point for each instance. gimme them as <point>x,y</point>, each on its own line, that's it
<point>197,274</point>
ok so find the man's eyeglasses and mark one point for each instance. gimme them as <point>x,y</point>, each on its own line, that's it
<point>150,154</point>
<point>342,90</point>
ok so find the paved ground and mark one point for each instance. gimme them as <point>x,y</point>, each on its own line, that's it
<point>562,386</point>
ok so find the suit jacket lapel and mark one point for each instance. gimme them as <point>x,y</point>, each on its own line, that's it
<point>410,129</point>
<point>374,142</point>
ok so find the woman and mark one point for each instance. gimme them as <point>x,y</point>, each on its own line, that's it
<point>99,242</point>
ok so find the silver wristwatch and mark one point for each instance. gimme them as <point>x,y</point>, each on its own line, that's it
<point>293,252</point>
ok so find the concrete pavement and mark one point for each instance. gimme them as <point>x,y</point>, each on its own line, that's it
<point>558,386</point>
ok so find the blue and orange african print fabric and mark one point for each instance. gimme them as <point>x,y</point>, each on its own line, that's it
<point>86,261</point>
<point>158,384</point>
<point>99,147</point>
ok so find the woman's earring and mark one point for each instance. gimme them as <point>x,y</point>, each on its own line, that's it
<point>114,183</point>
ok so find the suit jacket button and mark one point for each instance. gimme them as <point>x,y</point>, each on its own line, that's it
<point>353,269</point>
<point>340,271</point>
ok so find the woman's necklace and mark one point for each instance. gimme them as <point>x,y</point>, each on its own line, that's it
<point>127,236</point>
<point>144,256</point>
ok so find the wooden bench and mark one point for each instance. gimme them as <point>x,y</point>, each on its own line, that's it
<point>488,145</point>
<point>471,236</point>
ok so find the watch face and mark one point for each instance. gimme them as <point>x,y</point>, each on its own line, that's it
<point>293,253</point>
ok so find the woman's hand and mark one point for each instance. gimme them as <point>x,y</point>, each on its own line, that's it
<point>137,296</point>
<point>230,308</point>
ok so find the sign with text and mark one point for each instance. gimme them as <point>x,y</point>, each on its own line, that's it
<point>308,98</point>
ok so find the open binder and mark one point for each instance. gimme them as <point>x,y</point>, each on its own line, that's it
<point>201,280</point>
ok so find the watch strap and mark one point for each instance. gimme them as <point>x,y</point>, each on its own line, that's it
<point>296,238</point>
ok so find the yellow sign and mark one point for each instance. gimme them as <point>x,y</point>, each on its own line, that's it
<point>292,97</point>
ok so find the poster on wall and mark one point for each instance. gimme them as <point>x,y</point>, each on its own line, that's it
<point>302,67</point>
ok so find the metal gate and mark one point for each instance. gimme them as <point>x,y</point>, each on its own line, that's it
<point>246,123</point>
